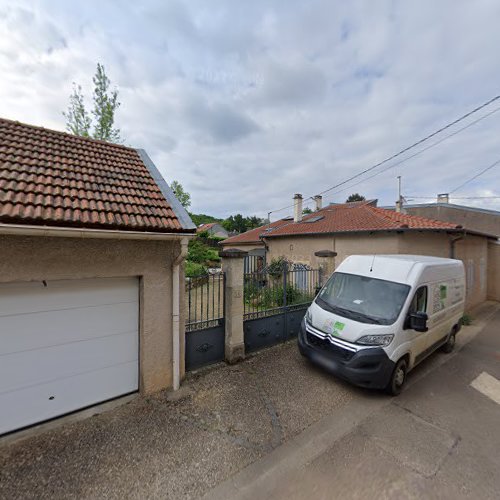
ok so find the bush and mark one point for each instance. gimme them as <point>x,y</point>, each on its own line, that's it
<point>277,266</point>
<point>466,319</point>
<point>194,269</point>
<point>265,297</point>
<point>201,253</point>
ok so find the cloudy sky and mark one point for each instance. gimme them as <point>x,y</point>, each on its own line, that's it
<point>247,103</point>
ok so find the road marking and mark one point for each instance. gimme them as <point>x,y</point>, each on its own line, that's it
<point>488,385</point>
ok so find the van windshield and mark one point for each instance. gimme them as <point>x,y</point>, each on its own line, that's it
<point>368,300</point>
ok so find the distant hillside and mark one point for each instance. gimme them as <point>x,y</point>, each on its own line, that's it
<point>199,219</point>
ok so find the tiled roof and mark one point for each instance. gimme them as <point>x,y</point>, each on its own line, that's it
<point>57,179</point>
<point>253,235</point>
<point>348,217</point>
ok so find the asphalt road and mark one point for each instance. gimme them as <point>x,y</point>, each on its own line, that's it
<point>439,439</point>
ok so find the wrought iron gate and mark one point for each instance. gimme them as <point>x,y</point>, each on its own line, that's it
<point>275,301</point>
<point>204,320</point>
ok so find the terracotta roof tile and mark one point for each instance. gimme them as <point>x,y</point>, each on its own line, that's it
<point>348,217</point>
<point>53,178</point>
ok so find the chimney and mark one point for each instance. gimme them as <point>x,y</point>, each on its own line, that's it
<point>318,199</point>
<point>297,208</point>
<point>443,198</point>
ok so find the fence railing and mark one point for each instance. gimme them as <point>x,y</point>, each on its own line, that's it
<point>204,301</point>
<point>271,291</point>
<point>254,264</point>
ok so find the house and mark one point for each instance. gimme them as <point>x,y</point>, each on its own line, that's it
<point>364,228</point>
<point>213,229</point>
<point>473,218</point>
<point>92,244</point>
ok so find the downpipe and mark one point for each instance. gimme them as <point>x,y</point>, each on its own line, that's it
<point>176,345</point>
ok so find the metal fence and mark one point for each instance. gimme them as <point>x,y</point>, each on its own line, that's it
<point>204,301</point>
<point>268,292</point>
<point>254,264</point>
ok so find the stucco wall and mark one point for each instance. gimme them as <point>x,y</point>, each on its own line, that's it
<point>494,271</point>
<point>475,220</point>
<point>300,248</point>
<point>472,250</point>
<point>35,258</point>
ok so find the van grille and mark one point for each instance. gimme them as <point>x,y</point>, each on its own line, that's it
<point>326,345</point>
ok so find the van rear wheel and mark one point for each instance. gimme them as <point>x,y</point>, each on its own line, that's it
<point>398,378</point>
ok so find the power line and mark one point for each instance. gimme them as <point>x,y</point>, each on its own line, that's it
<point>399,153</point>
<point>434,144</point>
<point>494,164</point>
<point>409,197</point>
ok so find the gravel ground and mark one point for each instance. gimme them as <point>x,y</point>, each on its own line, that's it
<point>153,447</point>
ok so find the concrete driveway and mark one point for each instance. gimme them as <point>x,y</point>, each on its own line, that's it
<point>267,417</point>
<point>229,417</point>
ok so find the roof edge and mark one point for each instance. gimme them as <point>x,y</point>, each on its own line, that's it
<point>386,230</point>
<point>179,210</point>
<point>68,134</point>
<point>74,232</point>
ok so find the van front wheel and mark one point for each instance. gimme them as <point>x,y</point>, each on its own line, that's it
<point>398,378</point>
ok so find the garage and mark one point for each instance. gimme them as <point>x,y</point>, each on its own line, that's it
<point>66,345</point>
<point>92,245</point>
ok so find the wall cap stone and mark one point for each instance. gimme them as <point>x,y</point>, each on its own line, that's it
<point>233,253</point>
<point>325,253</point>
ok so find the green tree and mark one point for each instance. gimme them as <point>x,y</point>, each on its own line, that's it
<point>183,196</point>
<point>355,197</point>
<point>307,211</point>
<point>236,223</point>
<point>253,221</point>
<point>78,120</point>
<point>105,104</point>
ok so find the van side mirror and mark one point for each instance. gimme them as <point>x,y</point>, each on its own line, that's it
<point>418,321</point>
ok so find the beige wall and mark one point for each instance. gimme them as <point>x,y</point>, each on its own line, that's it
<point>302,248</point>
<point>474,220</point>
<point>35,258</point>
<point>472,250</point>
<point>494,271</point>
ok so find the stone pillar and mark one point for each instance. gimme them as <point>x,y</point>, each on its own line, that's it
<point>326,263</point>
<point>232,265</point>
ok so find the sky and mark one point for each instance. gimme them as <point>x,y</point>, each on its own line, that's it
<point>247,103</point>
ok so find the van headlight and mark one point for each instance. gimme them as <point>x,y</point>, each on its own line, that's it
<point>309,317</point>
<point>381,340</point>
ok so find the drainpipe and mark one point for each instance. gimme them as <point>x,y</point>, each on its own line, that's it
<point>176,347</point>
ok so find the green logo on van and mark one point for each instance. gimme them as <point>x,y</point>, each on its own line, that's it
<point>337,328</point>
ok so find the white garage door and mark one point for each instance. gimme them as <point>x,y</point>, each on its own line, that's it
<point>65,345</point>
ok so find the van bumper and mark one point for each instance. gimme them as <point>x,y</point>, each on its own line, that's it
<point>370,368</point>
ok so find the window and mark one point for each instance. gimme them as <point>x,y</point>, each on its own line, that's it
<point>419,302</point>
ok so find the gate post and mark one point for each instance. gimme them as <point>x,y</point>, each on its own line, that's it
<point>232,265</point>
<point>326,264</point>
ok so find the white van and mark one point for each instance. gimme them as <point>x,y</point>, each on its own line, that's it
<point>379,315</point>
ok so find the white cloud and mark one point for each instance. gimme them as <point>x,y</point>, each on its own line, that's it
<point>247,103</point>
